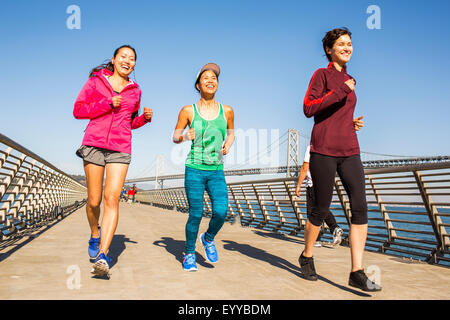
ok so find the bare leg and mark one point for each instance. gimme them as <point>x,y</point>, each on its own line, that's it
<point>94,180</point>
<point>358,235</point>
<point>311,233</point>
<point>115,178</point>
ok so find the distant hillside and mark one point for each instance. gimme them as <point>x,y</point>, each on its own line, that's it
<point>80,179</point>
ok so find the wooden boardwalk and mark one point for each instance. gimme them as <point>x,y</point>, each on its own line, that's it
<point>147,252</point>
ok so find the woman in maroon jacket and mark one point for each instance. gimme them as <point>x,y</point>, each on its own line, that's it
<point>331,100</point>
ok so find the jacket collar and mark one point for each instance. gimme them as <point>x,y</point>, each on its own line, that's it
<point>104,73</point>
<point>331,66</point>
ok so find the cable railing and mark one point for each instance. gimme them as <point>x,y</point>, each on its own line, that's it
<point>33,192</point>
<point>408,209</point>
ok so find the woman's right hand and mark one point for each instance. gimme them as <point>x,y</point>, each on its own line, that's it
<point>298,189</point>
<point>351,84</point>
<point>116,101</point>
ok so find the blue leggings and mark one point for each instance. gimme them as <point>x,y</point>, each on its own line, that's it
<point>196,182</point>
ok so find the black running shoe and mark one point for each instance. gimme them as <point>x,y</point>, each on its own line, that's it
<point>358,279</point>
<point>307,268</point>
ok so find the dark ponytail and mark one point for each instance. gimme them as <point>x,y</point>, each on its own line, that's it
<point>108,65</point>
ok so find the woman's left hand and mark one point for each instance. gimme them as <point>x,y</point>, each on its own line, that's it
<point>358,123</point>
<point>148,113</point>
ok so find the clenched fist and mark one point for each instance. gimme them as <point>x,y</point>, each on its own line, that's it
<point>351,84</point>
<point>358,123</point>
<point>148,114</point>
<point>298,190</point>
<point>190,134</point>
<point>116,101</point>
<point>225,149</point>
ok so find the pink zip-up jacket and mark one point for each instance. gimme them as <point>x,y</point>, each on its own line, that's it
<point>108,128</point>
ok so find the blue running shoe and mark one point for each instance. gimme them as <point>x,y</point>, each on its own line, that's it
<point>101,265</point>
<point>94,245</point>
<point>210,249</point>
<point>189,262</point>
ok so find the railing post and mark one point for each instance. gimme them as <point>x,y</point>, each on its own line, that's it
<point>7,181</point>
<point>181,200</point>
<point>277,206</point>
<point>170,198</point>
<point>33,199</point>
<point>164,197</point>
<point>237,204</point>
<point>250,208</point>
<point>389,226</point>
<point>344,203</point>
<point>297,212</point>
<point>21,194</point>
<point>261,205</point>
<point>434,219</point>
<point>185,202</point>
<point>230,208</point>
<point>13,193</point>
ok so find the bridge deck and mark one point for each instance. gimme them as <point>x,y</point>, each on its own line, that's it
<point>148,247</point>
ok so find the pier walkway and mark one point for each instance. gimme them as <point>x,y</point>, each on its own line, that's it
<point>147,251</point>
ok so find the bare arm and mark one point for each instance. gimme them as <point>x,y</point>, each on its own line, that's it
<point>184,119</point>
<point>229,140</point>
<point>301,177</point>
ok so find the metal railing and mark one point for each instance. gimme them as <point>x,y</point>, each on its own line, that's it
<point>370,164</point>
<point>409,208</point>
<point>33,192</point>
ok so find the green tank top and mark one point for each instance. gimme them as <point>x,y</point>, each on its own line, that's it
<point>206,148</point>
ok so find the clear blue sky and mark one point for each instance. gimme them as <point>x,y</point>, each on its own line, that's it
<point>268,51</point>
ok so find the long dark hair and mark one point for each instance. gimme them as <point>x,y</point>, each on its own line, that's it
<point>331,37</point>
<point>108,65</point>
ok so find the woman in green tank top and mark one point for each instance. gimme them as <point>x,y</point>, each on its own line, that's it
<point>211,130</point>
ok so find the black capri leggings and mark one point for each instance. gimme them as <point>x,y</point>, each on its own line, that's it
<point>323,171</point>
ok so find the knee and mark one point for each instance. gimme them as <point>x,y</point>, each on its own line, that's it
<point>359,217</point>
<point>111,199</point>
<point>221,210</point>
<point>195,206</point>
<point>193,223</point>
<point>315,220</point>
<point>94,202</point>
<point>316,217</point>
<point>359,213</point>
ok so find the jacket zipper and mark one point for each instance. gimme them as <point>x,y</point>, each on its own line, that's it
<point>112,118</point>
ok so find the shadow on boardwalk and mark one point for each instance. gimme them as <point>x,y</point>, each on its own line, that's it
<point>278,262</point>
<point>279,236</point>
<point>117,246</point>
<point>176,248</point>
<point>18,241</point>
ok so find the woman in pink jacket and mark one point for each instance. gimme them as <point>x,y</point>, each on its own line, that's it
<point>110,100</point>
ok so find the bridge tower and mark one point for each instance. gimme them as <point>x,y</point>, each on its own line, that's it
<point>292,157</point>
<point>159,171</point>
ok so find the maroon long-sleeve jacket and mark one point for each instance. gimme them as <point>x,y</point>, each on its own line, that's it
<point>332,104</point>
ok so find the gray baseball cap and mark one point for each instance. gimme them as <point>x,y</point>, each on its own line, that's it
<point>209,66</point>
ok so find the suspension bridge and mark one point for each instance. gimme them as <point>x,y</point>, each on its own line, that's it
<point>44,234</point>
<point>295,144</point>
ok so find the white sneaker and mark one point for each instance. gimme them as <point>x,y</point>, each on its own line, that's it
<point>317,244</point>
<point>337,236</point>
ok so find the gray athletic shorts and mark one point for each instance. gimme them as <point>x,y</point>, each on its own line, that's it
<point>102,156</point>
